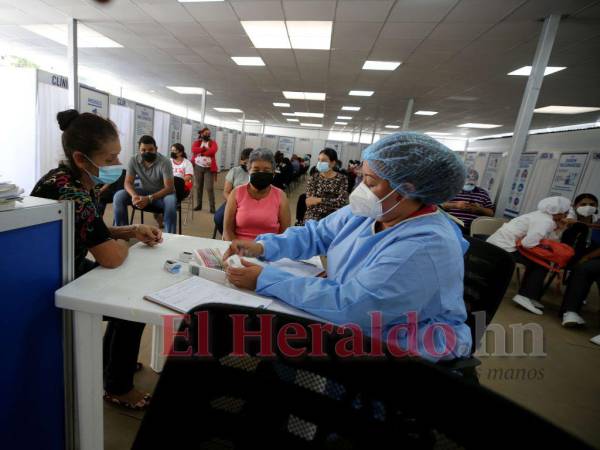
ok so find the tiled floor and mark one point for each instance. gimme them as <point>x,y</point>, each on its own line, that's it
<point>562,386</point>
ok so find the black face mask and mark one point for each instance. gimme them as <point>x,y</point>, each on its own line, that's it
<point>206,137</point>
<point>244,167</point>
<point>261,180</point>
<point>174,155</point>
<point>149,157</point>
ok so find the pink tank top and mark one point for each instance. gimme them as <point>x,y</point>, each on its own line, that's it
<point>254,217</point>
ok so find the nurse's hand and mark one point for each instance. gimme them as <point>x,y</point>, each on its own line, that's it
<point>148,234</point>
<point>240,247</point>
<point>244,277</point>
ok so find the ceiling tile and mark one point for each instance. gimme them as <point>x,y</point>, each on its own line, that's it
<point>211,12</point>
<point>169,13</point>
<point>309,9</point>
<point>421,11</point>
<point>482,11</point>
<point>258,10</point>
<point>361,11</point>
<point>397,30</point>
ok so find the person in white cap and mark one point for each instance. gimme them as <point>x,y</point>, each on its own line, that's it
<point>530,229</point>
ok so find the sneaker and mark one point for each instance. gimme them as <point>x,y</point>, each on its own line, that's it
<point>536,303</point>
<point>572,319</point>
<point>525,303</point>
<point>595,340</point>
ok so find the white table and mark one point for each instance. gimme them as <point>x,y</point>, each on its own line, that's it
<point>119,293</point>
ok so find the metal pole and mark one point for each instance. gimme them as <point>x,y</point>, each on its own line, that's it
<point>243,130</point>
<point>408,113</point>
<point>530,96</point>
<point>203,108</point>
<point>72,57</point>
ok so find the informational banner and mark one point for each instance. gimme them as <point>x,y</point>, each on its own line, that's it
<point>519,185</point>
<point>490,175</point>
<point>144,122</point>
<point>175,131</point>
<point>568,173</point>
<point>286,145</point>
<point>93,101</point>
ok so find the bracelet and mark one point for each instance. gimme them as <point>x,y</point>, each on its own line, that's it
<point>150,198</point>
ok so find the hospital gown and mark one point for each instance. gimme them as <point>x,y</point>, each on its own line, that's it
<point>415,266</point>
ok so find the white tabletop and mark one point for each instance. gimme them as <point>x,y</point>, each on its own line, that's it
<point>119,292</point>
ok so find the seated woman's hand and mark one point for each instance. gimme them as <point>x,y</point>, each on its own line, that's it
<point>148,234</point>
<point>244,277</point>
<point>242,247</point>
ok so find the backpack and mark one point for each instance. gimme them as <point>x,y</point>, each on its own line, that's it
<point>550,254</point>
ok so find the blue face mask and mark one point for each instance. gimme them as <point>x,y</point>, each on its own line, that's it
<point>468,187</point>
<point>323,166</point>
<point>106,174</point>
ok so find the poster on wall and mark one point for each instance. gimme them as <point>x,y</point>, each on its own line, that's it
<point>286,145</point>
<point>93,101</point>
<point>568,173</point>
<point>144,122</point>
<point>519,185</point>
<point>175,130</point>
<point>490,175</point>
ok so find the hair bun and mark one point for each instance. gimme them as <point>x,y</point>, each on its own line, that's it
<point>65,118</point>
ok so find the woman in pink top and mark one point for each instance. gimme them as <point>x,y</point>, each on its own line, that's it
<point>257,207</point>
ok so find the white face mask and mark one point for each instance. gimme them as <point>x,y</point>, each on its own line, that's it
<point>586,211</point>
<point>366,204</point>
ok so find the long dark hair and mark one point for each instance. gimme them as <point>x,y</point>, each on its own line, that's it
<point>86,133</point>
<point>180,148</point>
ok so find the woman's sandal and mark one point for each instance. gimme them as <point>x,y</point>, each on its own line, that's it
<point>142,404</point>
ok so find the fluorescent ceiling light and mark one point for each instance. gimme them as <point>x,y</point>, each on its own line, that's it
<point>189,90</point>
<point>299,35</point>
<point>248,60</point>
<point>288,114</point>
<point>293,120</point>
<point>437,133</point>
<point>310,35</point>
<point>525,71</point>
<point>318,125</point>
<point>344,117</point>
<point>86,37</point>
<point>308,114</point>
<point>393,127</point>
<point>229,110</point>
<point>350,108</point>
<point>555,109</point>
<point>340,123</point>
<point>381,65</point>
<point>281,105</point>
<point>426,113</point>
<point>249,120</point>
<point>479,125</point>
<point>361,93</point>
<point>293,95</point>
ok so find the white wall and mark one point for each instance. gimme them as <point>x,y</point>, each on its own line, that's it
<point>18,137</point>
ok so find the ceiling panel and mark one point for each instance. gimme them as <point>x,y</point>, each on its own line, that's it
<point>309,9</point>
<point>258,10</point>
<point>361,11</point>
<point>211,12</point>
<point>421,11</point>
<point>167,13</point>
<point>459,31</point>
<point>483,11</point>
<point>404,30</point>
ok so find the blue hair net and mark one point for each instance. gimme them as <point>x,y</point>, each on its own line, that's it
<point>417,166</point>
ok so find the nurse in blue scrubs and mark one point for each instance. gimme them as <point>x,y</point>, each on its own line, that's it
<point>392,251</point>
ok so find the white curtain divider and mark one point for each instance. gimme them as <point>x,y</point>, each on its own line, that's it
<point>161,132</point>
<point>186,138</point>
<point>50,101</point>
<point>124,119</point>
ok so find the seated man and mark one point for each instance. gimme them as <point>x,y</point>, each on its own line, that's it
<point>470,203</point>
<point>157,186</point>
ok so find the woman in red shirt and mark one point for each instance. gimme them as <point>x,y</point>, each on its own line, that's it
<point>205,163</point>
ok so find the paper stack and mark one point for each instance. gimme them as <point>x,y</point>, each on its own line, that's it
<point>9,194</point>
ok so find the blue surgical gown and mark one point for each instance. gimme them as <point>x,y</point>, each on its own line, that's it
<point>415,266</point>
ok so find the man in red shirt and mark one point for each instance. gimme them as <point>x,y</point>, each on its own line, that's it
<point>205,163</point>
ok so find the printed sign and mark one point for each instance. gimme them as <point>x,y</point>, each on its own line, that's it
<point>519,185</point>
<point>144,122</point>
<point>93,101</point>
<point>568,173</point>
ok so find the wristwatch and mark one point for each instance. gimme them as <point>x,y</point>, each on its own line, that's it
<point>150,198</point>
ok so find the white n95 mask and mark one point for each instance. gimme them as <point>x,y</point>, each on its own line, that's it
<point>366,204</point>
<point>586,211</point>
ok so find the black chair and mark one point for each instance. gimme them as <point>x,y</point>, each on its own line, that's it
<point>488,271</point>
<point>301,208</point>
<point>236,402</point>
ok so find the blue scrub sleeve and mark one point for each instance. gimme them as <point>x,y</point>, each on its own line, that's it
<point>304,242</point>
<point>393,284</point>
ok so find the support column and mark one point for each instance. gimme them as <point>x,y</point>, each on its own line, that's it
<point>203,108</point>
<point>72,58</point>
<point>408,113</point>
<point>530,96</point>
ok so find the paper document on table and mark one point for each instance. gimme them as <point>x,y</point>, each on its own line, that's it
<point>195,291</point>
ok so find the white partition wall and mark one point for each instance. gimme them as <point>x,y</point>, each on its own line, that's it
<point>186,138</point>
<point>538,181</point>
<point>122,113</point>
<point>161,132</point>
<point>252,140</point>
<point>19,156</point>
<point>51,99</point>
<point>590,181</point>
